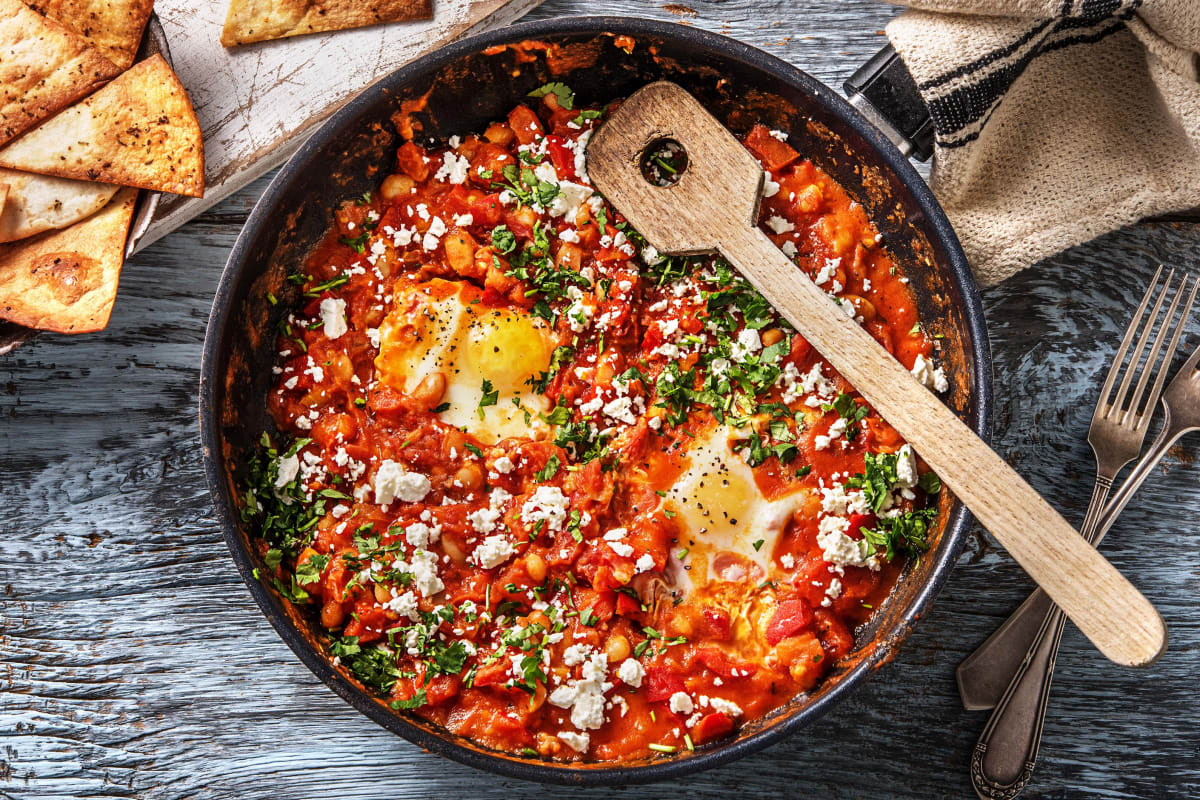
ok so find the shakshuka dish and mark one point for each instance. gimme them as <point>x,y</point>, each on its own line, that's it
<point>558,493</point>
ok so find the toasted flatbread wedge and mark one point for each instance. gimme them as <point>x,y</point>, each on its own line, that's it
<point>66,280</point>
<point>114,27</point>
<point>259,20</point>
<point>139,130</point>
<point>39,203</point>
<point>44,67</point>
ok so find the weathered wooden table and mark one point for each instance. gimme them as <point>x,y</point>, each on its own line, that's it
<point>134,663</point>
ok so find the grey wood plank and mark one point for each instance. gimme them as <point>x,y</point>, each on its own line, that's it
<point>133,662</point>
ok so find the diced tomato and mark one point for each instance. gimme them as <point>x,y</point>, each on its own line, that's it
<point>712,726</point>
<point>661,683</point>
<point>774,154</point>
<point>723,664</point>
<point>525,124</point>
<point>412,161</point>
<point>857,523</point>
<point>368,621</point>
<point>487,210</point>
<point>790,617</point>
<point>562,158</point>
<point>716,621</point>
<point>494,673</point>
<point>627,606</point>
<point>441,689</point>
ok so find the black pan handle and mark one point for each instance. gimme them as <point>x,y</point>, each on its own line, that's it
<point>885,92</point>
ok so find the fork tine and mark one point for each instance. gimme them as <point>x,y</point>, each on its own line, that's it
<point>1148,403</point>
<point>1130,332</point>
<point>1118,402</point>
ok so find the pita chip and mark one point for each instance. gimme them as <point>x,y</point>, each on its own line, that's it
<point>113,27</point>
<point>39,203</point>
<point>259,20</point>
<point>139,130</point>
<point>66,280</point>
<point>44,67</point>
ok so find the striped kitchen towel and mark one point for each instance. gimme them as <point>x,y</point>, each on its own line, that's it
<point>1056,120</point>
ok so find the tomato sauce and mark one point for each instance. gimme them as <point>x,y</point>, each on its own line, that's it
<point>562,495</point>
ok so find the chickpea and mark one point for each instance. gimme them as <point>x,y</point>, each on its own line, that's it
<point>382,593</point>
<point>771,336</point>
<point>526,216</point>
<point>469,476</point>
<point>809,198</point>
<point>430,390</point>
<point>539,697</point>
<point>332,614</point>
<point>455,441</point>
<point>681,623</point>
<point>535,565</point>
<point>864,307</point>
<point>452,548</point>
<point>538,618</point>
<point>395,188</point>
<point>499,133</point>
<point>342,367</point>
<point>616,648</point>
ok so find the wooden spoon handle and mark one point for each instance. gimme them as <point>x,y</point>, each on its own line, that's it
<point>1113,614</point>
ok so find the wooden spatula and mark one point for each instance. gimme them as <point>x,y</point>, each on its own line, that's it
<point>713,206</point>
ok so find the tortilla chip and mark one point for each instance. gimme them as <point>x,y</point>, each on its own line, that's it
<point>66,280</point>
<point>139,130</point>
<point>39,203</point>
<point>114,27</point>
<point>44,67</point>
<point>259,20</point>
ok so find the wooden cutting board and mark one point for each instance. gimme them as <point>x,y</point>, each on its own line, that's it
<point>257,103</point>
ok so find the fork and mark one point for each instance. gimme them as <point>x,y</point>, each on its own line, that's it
<point>1006,753</point>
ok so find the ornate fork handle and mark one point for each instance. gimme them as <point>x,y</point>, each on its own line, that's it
<point>1006,752</point>
<point>984,674</point>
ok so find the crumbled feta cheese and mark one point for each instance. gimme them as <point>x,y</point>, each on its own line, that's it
<point>681,704</point>
<point>645,563</point>
<point>454,168</point>
<point>484,520</point>
<point>547,504</point>
<point>333,316</point>
<point>433,235</point>
<point>493,551</point>
<point>631,672</point>
<point>585,696</point>
<point>579,742</point>
<point>906,468</point>
<point>932,377</point>
<point>393,481</point>
<point>770,187</point>
<point>726,707</point>
<point>504,465</point>
<point>621,548</point>
<point>779,225</point>
<point>424,570</point>
<point>289,468</point>
<point>840,549</point>
<point>405,605</point>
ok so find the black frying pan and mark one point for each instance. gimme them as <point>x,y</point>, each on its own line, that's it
<point>460,88</point>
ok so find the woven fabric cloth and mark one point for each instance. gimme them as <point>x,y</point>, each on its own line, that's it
<point>1056,120</point>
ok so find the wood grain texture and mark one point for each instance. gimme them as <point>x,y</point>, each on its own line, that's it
<point>258,102</point>
<point>713,206</point>
<point>133,662</point>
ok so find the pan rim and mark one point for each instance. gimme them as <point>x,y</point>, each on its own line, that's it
<point>222,323</point>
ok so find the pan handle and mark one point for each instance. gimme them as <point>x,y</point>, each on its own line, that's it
<point>886,94</point>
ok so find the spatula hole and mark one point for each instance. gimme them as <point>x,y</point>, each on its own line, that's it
<point>664,162</point>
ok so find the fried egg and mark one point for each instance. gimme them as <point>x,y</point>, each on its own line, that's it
<point>723,514</point>
<point>443,327</point>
